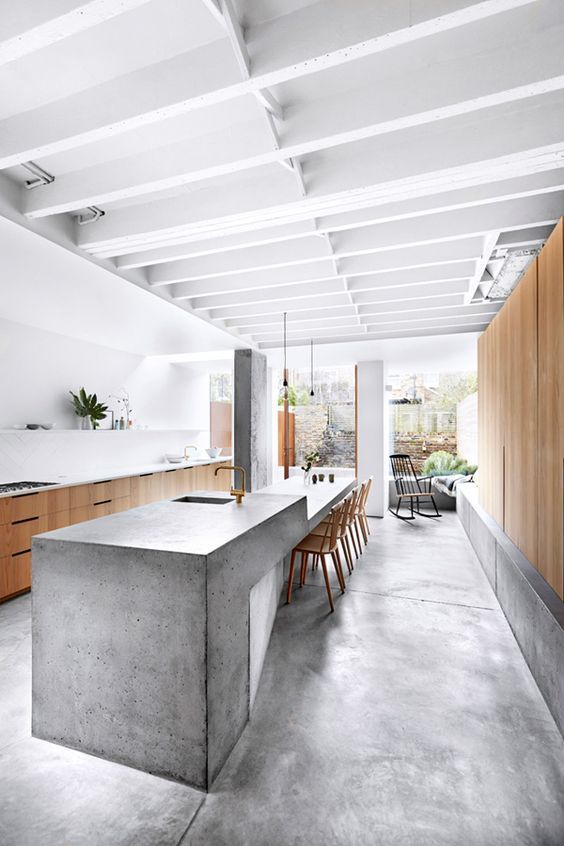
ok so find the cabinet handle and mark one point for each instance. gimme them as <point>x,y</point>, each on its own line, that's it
<point>21,552</point>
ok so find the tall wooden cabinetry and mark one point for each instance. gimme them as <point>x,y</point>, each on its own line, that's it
<point>521,414</point>
<point>550,491</point>
<point>29,514</point>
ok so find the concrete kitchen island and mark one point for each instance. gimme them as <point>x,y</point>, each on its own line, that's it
<point>149,627</point>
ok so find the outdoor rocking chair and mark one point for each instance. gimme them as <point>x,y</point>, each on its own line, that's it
<point>411,487</point>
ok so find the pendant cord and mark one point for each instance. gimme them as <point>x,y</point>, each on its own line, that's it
<point>311,393</point>
<point>285,382</point>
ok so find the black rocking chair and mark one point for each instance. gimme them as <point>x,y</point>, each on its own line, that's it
<point>411,487</point>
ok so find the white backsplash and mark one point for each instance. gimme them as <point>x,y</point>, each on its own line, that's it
<point>51,455</point>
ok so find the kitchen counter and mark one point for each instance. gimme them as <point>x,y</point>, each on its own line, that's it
<point>150,626</point>
<point>107,473</point>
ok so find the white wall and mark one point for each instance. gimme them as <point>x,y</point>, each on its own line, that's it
<point>38,368</point>
<point>467,428</point>
<point>372,433</point>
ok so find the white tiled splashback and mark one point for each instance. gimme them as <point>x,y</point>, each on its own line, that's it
<point>49,455</point>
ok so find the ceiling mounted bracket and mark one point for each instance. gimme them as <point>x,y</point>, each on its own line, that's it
<point>42,177</point>
<point>92,214</point>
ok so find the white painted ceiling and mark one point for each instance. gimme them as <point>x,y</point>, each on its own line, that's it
<point>352,163</point>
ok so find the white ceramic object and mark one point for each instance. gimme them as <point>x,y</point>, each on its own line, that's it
<point>48,425</point>
<point>174,459</point>
<point>214,452</point>
<point>19,426</point>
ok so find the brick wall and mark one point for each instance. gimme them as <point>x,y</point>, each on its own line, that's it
<point>420,446</point>
<point>336,446</point>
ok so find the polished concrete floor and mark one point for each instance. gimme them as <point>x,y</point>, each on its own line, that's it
<point>407,717</point>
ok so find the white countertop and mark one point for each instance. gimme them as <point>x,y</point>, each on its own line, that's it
<point>107,473</point>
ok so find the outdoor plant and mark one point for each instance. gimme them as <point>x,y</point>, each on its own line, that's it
<point>310,459</point>
<point>87,405</point>
<point>442,463</point>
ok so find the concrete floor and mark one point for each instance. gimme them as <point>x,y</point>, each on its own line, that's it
<point>407,717</point>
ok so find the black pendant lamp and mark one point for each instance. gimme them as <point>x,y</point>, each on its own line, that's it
<point>312,392</point>
<point>285,382</point>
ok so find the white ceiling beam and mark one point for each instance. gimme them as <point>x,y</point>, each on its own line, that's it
<point>447,91</point>
<point>298,276</point>
<point>320,319</point>
<point>383,335</point>
<point>205,76</point>
<point>327,295</point>
<point>293,233</point>
<point>35,24</point>
<point>515,143</point>
<point>453,322</point>
<point>330,306</point>
<point>525,237</point>
<point>312,251</point>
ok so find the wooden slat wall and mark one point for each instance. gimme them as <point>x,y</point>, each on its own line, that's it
<point>521,414</point>
<point>551,411</point>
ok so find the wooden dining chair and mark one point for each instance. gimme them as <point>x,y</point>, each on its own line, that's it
<point>347,512</point>
<point>360,513</point>
<point>320,545</point>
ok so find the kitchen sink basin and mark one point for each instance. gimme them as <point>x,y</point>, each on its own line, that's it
<point>207,500</point>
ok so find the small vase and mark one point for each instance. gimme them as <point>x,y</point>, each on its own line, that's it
<point>307,477</point>
<point>86,422</point>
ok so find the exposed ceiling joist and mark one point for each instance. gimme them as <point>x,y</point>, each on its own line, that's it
<point>205,76</point>
<point>36,24</point>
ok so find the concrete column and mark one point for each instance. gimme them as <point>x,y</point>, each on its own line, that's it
<point>250,417</point>
<point>372,433</point>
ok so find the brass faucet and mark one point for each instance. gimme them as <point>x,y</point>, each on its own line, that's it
<point>238,493</point>
<point>186,448</point>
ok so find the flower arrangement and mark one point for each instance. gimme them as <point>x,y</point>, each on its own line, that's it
<point>310,459</point>
<point>87,407</point>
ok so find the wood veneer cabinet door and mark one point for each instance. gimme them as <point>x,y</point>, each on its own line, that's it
<point>550,495</point>
<point>521,424</point>
<point>15,574</point>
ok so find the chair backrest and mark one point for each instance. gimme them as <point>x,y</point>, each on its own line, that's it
<point>355,499</point>
<point>348,508</point>
<point>365,493</point>
<point>405,477</point>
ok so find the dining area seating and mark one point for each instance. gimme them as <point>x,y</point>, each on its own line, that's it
<point>341,533</point>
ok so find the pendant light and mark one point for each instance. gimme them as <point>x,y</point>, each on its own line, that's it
<point>312,392</point>
<point>285,382</point>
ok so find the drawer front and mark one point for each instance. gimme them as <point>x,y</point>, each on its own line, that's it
<point>22,507</point>
<point>20,534</point>
<point>121,487</point>
<point>121,504</point>
<point>101,509</point>
<point>100,492</point>
<point>15,574</point>
<point>79,496</point>
<point>58,500</point>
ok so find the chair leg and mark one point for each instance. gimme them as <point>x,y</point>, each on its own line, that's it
<point>338,569</point>
<point>356,552</point>
<point>355,524</point>
<point>345,553</point>
<point>291,576</point>
<point>362,529</point>
<point>327,582</point>
<point>366,523</point>
<point>345,541</point>
<point>303,570</point>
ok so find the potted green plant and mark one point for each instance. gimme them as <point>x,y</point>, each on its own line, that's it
<point>88,409</point>
<point>310,458</point>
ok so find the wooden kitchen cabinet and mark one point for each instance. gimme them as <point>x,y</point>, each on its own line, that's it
<point>15,574</point>
<point>26,515</point>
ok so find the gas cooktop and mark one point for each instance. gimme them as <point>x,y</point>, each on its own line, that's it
<point>14,487</point>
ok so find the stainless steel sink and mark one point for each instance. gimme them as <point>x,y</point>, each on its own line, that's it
<point>207,500</point>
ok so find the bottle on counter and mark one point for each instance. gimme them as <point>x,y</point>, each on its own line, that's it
<point>121,423</point>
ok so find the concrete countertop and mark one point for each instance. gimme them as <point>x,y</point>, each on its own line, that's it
<point>321,497</point>
<point>190,528</point>
<point>196,528</point>
<point>108,473</point>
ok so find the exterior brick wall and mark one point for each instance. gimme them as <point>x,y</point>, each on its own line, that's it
<point>420,446</point>
<point>335,444</point>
